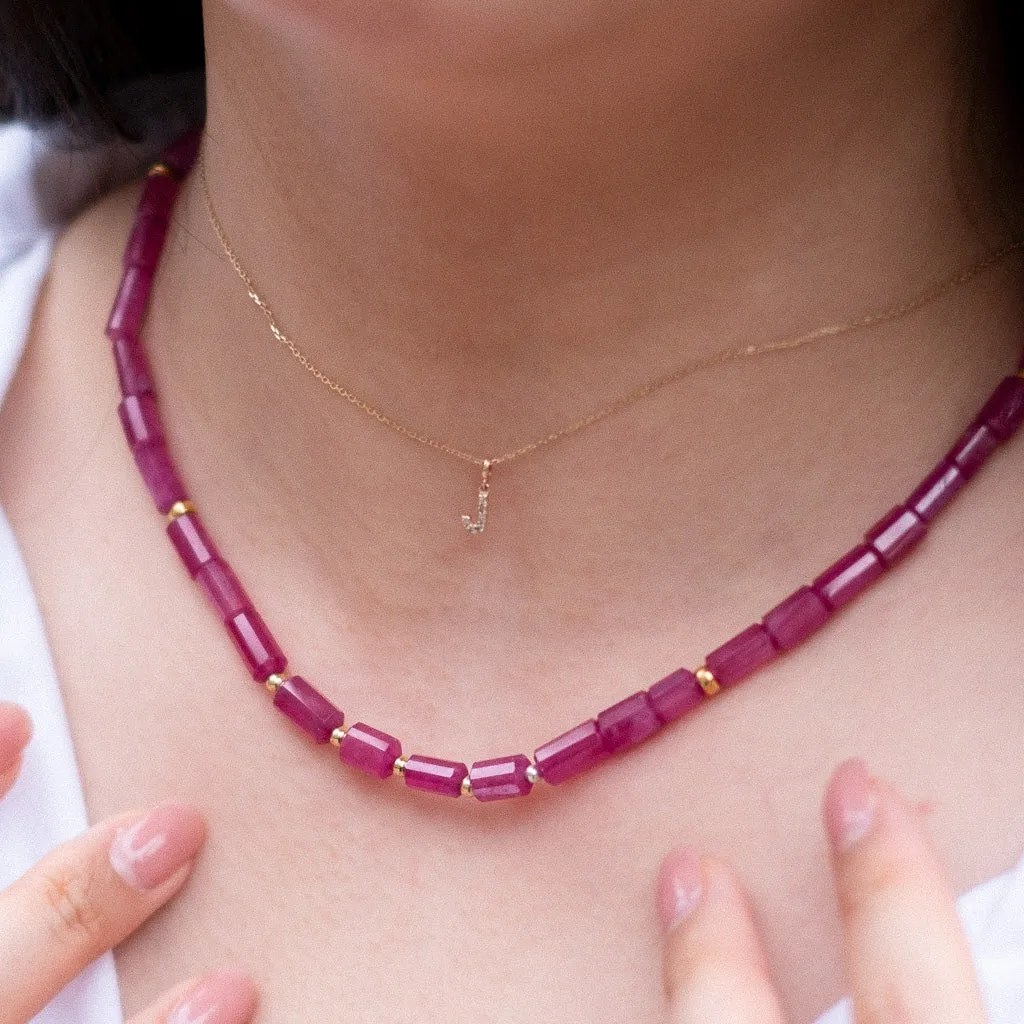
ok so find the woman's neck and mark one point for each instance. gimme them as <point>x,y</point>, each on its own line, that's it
<point>488,236</point>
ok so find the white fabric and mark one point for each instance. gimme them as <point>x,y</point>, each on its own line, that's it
<point>38,189</point>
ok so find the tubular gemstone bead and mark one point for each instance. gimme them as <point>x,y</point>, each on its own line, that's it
<point>1003,413</point>
<point>571,753</point>
<point>132,367</point>
<point>191,541</point>
<point>434,775</point>
<point>936,490</point>
<point>844,580</point>
<point>628,722</point>
<point>976,444</point>
<point>369,750</point>
<point>158,195</point>
<point>181,154</point>
<point>676,694</point>
<point>792,621</point>
<point>308,708</point>
<point>256,644</point>
<point>146,242</point>
<point>500,778</point>
<point>130,304</point>
<point>140,419</point>
<point>159,475</point>
<point>743,654</point>
<point>899,530</point>
<point>222,588</point>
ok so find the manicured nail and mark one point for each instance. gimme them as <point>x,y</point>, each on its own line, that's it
<point>680,886</point>
<point>15,732</point>
<point>849,804</point>
<point>149,852</point>
<point>227,997</point>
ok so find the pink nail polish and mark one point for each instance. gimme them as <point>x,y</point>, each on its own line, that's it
<point>224,998</point>
<point>150,851</point>
<point>15,732</point>
<point>680,886</point>
<point>849,805</point>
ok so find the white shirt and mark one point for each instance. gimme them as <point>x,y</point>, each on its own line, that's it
<point>39,190</point>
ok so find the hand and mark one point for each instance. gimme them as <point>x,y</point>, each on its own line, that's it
<point>87,895</point>
<point>906,954</point>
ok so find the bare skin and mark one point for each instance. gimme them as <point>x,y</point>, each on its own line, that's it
<point>489,316</point>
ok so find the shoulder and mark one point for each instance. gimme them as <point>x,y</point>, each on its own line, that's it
<point>63,218</point>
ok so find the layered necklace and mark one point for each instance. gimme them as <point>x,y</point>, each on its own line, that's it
<point>629,721</point>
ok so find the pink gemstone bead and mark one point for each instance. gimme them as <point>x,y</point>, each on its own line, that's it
<point>370,750</point>
<point>146,242</point>
<point>308,708</point>
<point>130,304</point>
<point>140,419</point>
<point>256,644</point>
<point>181,154</point>
<point>936,490</point>
<point>222,588</point>
<point>192,542</point>
<point>844,580</point>
<point>676,694</point>
<point>896,533</point>
<point>628,722</point>
<point>132,368</point>
<point>792,621</point>
<point>434,775</point>
<point>743,654</point>
<point>159,475</point>
<point>976,444</point>
<point>571,753</point>
<point>500,778</point>
<point>158,195</point>
<point>1003,413</point>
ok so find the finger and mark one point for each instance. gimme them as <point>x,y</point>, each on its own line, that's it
<point>87,895</point>
<point>226,997</point>
<point>907,954</point>
<point>714,966</point>
<point>15,732</point>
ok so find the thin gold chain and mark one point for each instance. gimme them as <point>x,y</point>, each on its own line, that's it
<point>913,304</point>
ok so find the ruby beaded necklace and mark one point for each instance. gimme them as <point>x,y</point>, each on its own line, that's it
<point>624,724</point>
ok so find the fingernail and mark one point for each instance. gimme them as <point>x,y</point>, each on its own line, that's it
<point>149,852</point>
<point>15,732</point>
<point>680,886</point>
<point>227,997</point>
<point>849,805</point>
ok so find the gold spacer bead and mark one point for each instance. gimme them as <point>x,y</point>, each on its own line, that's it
<point>337,736</point>
<point>708,683</point>
<point>1020,373</point>
<point>532,775</point>
<point>400,763</point>
<point>178,509</point>
<point>274,681</point>
<point>159,170</point>
<point>467,787</point>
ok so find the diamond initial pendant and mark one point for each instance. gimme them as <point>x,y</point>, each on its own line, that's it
<point>477,525</point>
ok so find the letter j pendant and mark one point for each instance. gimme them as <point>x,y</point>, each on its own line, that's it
<point>477,525</point>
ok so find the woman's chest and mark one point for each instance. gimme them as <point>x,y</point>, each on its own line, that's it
<point>355,900</point>
<point>352,899</point>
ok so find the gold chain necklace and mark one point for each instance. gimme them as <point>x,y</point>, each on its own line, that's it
<point>931,293</point>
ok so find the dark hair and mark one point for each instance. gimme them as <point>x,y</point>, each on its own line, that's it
<point>101,68</point>
<point>111,68</point>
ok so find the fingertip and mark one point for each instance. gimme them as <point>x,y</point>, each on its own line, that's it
<point>224,997</point>
<point>15,732</point>
<point>849,804</point>
<point>680,886</point>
